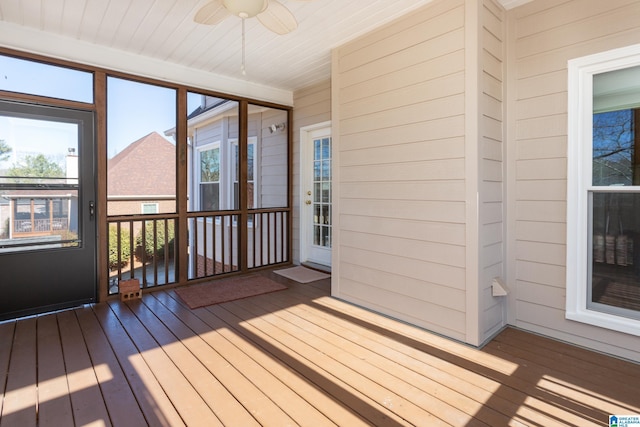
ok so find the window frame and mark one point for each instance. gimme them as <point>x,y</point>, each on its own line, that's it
<point>233,143</point>
<point>579,184</point>
<point>200,150</point>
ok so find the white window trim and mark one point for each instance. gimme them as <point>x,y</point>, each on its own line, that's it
<point>234,143</point>
<point>580,145</point>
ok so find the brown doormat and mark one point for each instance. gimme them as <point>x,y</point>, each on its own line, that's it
<point>226,290</point>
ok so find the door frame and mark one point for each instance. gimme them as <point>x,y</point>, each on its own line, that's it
<point>306,170</point>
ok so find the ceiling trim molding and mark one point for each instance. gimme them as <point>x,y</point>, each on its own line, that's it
<point>47,44</point>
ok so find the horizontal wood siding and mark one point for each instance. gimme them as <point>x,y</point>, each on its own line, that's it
<point>400,111</point>
<point>273,163</point>
<point>492,309</point>
<point>311,105</point>
<point>544,35</point>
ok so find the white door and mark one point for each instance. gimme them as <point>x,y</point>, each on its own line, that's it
<point>315,215</point>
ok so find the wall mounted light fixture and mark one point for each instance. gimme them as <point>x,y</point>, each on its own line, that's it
<point>280,126</point>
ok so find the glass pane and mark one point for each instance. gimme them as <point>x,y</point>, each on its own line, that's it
<point>210,165</point>
<point>326,237</point>
<point>142,158</point>
<point>614,276</point>
<point>615,161</point>
<point>317,174</point>
<point>326,214</point>
<point>213,151</point>
<point>35,78</point>
<point>210,196</point>
<point>326,148</point>
<point>38,184</point>
<point>326,192</point>
<point>326,170</point>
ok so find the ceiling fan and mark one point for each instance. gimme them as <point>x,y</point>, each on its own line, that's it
<point>271,13</point>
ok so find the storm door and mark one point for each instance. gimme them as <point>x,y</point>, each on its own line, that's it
<point>47,209</point>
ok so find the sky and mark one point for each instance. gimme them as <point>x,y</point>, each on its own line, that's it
<point>53,139</point>
<point>133,109</point>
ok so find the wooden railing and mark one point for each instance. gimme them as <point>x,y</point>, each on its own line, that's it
<point>142,247</point>
<point>268,237</point>
<point>40,225</point>
<point>213,245</point>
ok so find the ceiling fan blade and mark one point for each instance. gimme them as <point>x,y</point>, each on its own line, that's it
<point>278,18</point>
<point>211,13</point>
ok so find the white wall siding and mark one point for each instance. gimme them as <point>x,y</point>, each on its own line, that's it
<point>400,105</point>
<point>311,105</point>
<point>543,36</point>
<point>272,161</point>
<point>492,313</point>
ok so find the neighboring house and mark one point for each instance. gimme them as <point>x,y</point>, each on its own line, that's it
<point>38,212</point>
<point>460,201</point>
<point>141,178</point>
<point>213,177</point>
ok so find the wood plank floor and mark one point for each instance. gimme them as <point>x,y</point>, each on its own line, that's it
<point>295,357</point>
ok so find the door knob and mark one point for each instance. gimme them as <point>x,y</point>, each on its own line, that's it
<point>308,202</point>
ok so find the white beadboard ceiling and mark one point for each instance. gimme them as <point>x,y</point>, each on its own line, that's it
<point>164,32</point>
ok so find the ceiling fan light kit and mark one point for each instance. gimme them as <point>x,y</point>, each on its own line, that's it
<point>271,13</point>
<point>245,8</point>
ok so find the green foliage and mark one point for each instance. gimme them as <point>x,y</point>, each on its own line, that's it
<point>4,232</point>
<point>162,239</point>
<point>37,166</point>
<point>125,248</point>
<point>4,150</point>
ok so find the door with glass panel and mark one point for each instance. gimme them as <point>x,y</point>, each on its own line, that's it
<point>316,208</point>
<point>47,209</point>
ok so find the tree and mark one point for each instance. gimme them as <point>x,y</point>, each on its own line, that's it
<point>4,150</point>
<point>37,166</point>
<point>613,148</point>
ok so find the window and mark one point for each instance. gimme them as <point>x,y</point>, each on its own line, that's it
<point>210,178</point>
<point>149,208</point>
<point>36,78</point>
<point>603,195</point>
<point>142,152</point>
<point>251,166</point>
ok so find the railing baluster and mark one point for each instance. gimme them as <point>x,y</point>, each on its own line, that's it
<point>119,246</point>
<point>231,237</point>
<point>194,255</point>
<point>166,251</point>
<point>131,246</point>
<point>143,230</point>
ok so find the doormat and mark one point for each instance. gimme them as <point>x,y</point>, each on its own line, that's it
<point>302,274</point>
<point>226,290</point>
